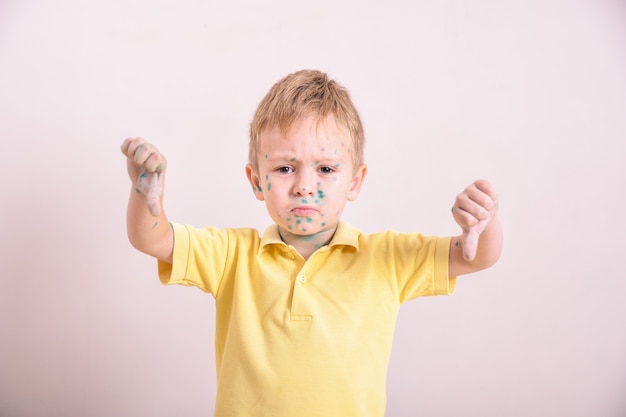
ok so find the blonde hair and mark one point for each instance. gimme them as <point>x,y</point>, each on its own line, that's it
<point>302,94</point>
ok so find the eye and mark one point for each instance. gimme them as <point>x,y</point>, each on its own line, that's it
<point>284,170</point>
<point>326,169</point>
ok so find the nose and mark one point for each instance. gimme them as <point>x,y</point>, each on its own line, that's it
<point>304,185</point>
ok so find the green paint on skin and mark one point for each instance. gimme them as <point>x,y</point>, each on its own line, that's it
<point>293,159</point>
<point>290,227</point>
<point>303,201</point>
<point>309,220</point>
<point>298,221</point>
<point>337,165</point>
<point>267,177</point>
<point>323,224</point>
<point>155,224</point>
<point>321,194</point>
<point>269,186</point>
<point>266,156</point>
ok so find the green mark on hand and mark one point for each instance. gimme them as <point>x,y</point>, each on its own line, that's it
<point>155,224</point>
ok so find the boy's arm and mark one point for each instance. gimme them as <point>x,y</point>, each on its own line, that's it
<point>480,244</point>
<point>147,225</point>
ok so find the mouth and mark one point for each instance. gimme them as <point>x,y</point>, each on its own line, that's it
<point>303,211</point>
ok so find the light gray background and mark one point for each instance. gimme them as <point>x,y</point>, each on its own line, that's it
<point>528,94</point>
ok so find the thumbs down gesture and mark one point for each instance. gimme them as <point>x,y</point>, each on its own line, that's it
<point>473,210</point>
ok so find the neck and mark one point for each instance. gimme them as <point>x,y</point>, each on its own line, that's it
<point>306,244</point>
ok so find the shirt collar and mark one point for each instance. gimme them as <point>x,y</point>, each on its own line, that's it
<point>345,235</point>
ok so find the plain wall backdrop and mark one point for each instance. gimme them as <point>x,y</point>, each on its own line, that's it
<point>528,94</point>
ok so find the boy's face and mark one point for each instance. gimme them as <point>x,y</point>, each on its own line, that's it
<point>306,176</point>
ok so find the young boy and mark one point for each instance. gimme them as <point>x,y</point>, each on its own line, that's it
<point>306,311</point>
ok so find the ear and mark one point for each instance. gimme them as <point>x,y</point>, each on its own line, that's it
<point>255,182</point>
<point>357,182</point>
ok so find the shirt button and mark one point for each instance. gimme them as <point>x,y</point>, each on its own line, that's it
<point>302,279</point>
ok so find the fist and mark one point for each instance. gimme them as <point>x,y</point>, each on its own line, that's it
<point>145,166</point>
<point>473,210</point>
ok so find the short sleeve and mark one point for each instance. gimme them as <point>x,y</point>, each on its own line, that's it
<point>421,265</point>
<point>198,259</point>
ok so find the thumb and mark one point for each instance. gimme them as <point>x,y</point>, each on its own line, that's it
<point>470,239</point>
<point>149,184</point>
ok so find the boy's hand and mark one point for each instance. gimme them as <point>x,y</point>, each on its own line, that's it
<point>145,166</point>
<point>473,210</point>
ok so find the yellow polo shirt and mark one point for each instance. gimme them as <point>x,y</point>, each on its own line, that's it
<point>298,337</point>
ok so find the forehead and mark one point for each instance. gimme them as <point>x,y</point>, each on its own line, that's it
<point>307,135</point>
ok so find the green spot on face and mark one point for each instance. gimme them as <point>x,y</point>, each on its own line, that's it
<point>293,159</point>
<point>269,186</point>
<point>298,221</point>
<point>309,220</point>
<point>266,156</point>
<point>321,194</point>
<point>267,177</point>
<point>323,224</point>
<point>337,165</point>
<point>289,227</point>
<point>155,224</point>
<point>303,201</point>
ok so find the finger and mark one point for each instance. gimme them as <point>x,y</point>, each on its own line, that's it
<point>470,239</point>
<point>467,212</point>
<point>125,145</point>
<point>149,183</point>
<point>130,145</point>
<point>155,162</point>
<point>470,243</point>
<point>487,193</point>
<point>153,196</point>
<point>146,155</point>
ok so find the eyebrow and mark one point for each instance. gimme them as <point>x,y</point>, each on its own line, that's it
<point>332,160</point>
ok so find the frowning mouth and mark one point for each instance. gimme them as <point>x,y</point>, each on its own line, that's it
<point>303,211</point>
